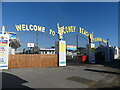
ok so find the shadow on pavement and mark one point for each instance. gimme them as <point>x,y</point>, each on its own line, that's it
<point>10,81</point>
<point>102,71</point>
<point>113,64</point>
<point>107,88</point>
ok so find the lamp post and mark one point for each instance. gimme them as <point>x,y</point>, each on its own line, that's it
<point>37,39</point>
<point>3,29</point>
<point>37,42</point>
<point>77,46</point>
<point>107,42</point>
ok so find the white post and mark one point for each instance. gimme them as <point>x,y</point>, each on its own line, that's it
<point>61,51</point>
<point>91,52</point>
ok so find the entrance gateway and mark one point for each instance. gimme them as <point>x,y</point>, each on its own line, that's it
<point>60,45</point>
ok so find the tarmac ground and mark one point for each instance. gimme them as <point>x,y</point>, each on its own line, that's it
<point>71,76</point>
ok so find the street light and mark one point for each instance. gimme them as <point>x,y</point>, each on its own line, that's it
<point>3,29</point>
<point>107,42</point>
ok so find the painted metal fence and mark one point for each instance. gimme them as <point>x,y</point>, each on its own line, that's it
<point>33,60</point>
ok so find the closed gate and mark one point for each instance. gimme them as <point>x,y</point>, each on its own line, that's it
<point>76,48</point>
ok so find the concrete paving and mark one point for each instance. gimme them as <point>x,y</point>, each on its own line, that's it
<point>75,76</point>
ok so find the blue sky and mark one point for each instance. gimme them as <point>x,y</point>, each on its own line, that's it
<point>0,14</point>
<point>98,17</point>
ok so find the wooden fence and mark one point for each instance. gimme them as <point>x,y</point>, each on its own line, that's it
<point>33,60</point>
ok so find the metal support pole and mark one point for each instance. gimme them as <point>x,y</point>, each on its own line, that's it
<point>77,41</point>
<point>37,41</point>
<point>77,46</point>
<point>99,43</point>
<point>107,42</point>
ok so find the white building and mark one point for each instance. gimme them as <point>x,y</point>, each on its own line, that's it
<point>47,51</point>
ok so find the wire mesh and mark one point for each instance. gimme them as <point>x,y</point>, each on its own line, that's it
<point>71,39</point>
<point>43,40</point>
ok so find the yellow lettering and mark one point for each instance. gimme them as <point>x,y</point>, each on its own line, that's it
<point>27,28</point>
<point>31,27</point>
<point>105,41</point>
<point>74,28</point>
<point>23,27</point>
<point>18,27</point>
<point>43,29</point>
<point>69,28</point>
<point>52,32</point>
<point>39,28</point>
<point>99,39</point>
<point>84,33</point>
<point>95,39</point>
<point>80,30</point>
<point>64,32</point>
<point>66,29</point>
<point>35,28</point>
<point>87,34</point>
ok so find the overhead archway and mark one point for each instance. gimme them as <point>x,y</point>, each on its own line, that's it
<point>79,40</point>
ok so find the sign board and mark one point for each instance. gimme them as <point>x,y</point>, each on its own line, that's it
<point>71,47</point>
<point>93,48</point>
<point>24,27</point>
<point>62,53</point>
<point>30,44</point>
<point>4,51</point>
<point>92,53</point>
<point>61,31</point>
<point>99,39</point>
<point>12,34</point>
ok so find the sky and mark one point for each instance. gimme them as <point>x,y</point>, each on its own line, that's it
<point>98,17</point>
<point>0,14</point>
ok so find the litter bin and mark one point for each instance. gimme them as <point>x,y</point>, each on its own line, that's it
<point>83,58</point>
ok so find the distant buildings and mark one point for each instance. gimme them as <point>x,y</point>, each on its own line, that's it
<point>47,51</point>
